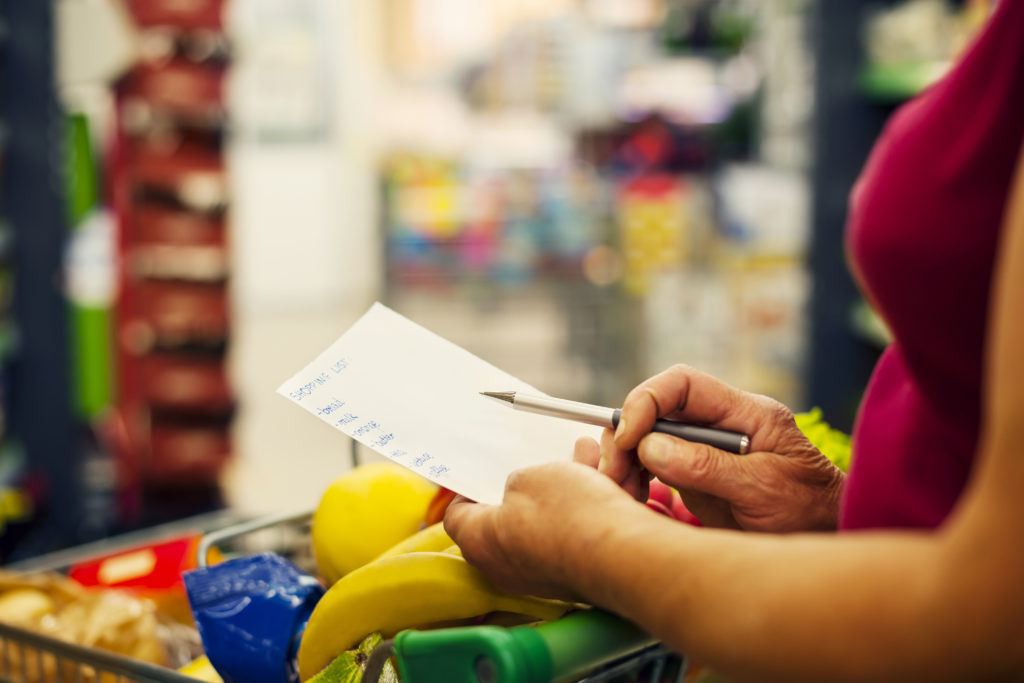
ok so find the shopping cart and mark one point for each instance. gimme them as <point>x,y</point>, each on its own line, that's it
<point>588,646</point>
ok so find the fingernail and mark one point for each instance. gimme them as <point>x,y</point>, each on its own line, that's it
<point>620,429</point>
<point>602,464</point>
<point>655,451</point>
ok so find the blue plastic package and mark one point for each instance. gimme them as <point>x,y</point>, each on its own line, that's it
<point>251,612</point>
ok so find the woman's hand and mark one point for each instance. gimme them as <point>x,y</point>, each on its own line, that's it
<point>783,484</point>
<point>550,517</point>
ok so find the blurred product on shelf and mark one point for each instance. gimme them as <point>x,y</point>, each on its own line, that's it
<point>178,88</point>
<point>911,44</point>
<point>178,315</point>
<point>172,316</point>
<point>192,383</point>
<point>188,450</point>
<point>654,228</point>
<point>720,28</point>
<point>449,223</point>
<point>190,15</point>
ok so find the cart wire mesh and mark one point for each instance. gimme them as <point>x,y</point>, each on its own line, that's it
<point>29,657</point>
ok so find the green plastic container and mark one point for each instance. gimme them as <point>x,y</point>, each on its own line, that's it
<point>561,650</point>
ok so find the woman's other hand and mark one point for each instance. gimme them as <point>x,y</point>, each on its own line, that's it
<point>783,484</point>
<point>550,517</point>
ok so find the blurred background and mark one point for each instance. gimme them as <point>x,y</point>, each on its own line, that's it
<point>198,196</point>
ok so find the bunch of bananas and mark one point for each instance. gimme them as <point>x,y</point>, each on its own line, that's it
<point>385,573</point>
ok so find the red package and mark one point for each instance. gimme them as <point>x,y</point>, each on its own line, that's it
<point>178,13</point>
<point>186,383</point>
<point>190,175</point>
<point>188,453</point>
<point>149,566</point>
<point>166,227</point>
<point>178,86</point>
<point>173,262</point>
<point>182,313</point>
<point>152,571</point>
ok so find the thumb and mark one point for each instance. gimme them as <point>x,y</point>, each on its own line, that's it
<point>687,465</point>
<point>461,517</point>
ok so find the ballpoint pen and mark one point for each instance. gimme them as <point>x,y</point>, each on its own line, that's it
<point>734,442</point>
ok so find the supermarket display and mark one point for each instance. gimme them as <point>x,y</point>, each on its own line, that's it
<point>116,327</point>
<point>646,210</point>
<point>174,400</point>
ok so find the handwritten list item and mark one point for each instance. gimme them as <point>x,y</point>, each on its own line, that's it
<point>414,397</point>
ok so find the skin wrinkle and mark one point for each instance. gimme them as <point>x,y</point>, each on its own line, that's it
<point>740,500</point>
<point>657,403</point>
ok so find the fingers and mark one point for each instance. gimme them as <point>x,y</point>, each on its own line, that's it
<point>682,392</point>
<point>587,452</point>
<point>712,512</point>
<point>470,524</point>
<point>623,468</point>
<point>638,484</point>
<point>615,463</point>
<point>686,465</point>
<point>460,515</point>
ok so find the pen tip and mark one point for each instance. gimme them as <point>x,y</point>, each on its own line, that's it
<point>507,396</point>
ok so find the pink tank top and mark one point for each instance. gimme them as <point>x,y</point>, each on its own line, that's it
<point>924,226</point>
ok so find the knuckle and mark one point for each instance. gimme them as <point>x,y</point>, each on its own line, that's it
<point>635,395</point>
<point>773,414</point>
<point>702,465</point>
<point>515,481</point>
<point>680,369</point>
<point>584,443</point>
<point>779,412</point>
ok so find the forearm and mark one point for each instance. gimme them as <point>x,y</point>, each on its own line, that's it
<point>799,607</point>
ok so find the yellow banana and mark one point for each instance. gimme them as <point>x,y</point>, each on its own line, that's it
<point>201,669</point>
<point>430,539</point>
<point>404,591</point>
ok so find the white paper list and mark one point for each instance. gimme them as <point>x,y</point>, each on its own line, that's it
<point>414,397</point>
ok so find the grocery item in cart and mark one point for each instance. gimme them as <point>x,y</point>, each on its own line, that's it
<point>113,620</point>
<point>364,512</point>
<point>250,612</point>
<point>350,666</point>
<point>398,592</point>
<point>152,571</point>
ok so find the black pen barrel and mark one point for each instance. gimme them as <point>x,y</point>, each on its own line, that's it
<point>733,442</point>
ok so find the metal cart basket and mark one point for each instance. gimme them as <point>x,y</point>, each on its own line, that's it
<point>589,646</point>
